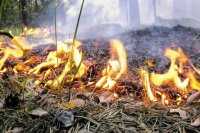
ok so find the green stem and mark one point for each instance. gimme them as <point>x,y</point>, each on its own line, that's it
<point>77,24</point>
<point>72,52</point>
<point>55,27</point>
<point>75,34</point>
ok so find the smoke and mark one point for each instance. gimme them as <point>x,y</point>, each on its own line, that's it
<point>99,18</point>
<point>95,17</point>
<point>103,18</point>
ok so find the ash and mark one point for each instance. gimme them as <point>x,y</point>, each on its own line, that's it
<point>150,43</point>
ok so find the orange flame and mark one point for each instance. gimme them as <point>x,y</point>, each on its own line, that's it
<point>55,58</point>
<point>146,84</point>
<point>117,65</point>
<point>19,44</point>
<point>194,83</point>
<point>72,58</point>
<point>178,60</point>
<point>173,73</point>
<point>37,32</point>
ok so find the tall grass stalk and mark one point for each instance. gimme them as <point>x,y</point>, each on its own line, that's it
<point>56,38</point>
<point>75,35</point>
<point>73,44</point>
<point>72,51</point>
<point>55,28</point>
<point>78,21</point>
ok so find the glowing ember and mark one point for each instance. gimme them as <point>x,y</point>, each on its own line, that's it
<point>117,65</point>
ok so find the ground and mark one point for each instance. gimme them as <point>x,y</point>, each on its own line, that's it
<point>96,110</point>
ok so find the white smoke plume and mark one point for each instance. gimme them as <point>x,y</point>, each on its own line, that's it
<point>109,17</point>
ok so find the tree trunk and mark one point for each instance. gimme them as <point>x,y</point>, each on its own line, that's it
<point>133,12</point>
<point>36,5</point>
<point>24,12</point>
<point>1,9</point>
<point>154,10</point>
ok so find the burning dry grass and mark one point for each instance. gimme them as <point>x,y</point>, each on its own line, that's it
<point>114,105</point>
<point>125,114</point>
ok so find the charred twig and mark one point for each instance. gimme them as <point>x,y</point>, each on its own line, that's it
<point>6,34</point>
<point>13,39</point>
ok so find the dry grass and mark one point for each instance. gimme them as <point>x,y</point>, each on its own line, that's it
<point>122,115</point>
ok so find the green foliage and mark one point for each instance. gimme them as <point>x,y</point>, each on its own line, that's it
<point>3,5</point>
<point>13,30</point>
<point>11,12</point>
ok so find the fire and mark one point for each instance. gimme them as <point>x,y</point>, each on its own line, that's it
<point>173,73</point>
<point>117,66</point>
<point>37,32</point>
<point>146,84</point>
<point>68,55</point>
<point>194,83</point>
<point>62,55</point>
<point>17,49</point>
<point>177,62</point>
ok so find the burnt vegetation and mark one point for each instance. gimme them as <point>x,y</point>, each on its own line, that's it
<point>76,104</point>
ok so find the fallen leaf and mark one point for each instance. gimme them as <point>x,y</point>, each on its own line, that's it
<point>193,97</point>
<point>38,112</point>
<point>17,130</point>
<point>106,99</point>
<point>182,113</point>
<point>130,129</point>
<point>84,131</point>
<point>133,104</point>
<point>144,126</point>
<point>65,117</point>
<point>73,104</point>
<point>2,103</point>
<point>196,123</point>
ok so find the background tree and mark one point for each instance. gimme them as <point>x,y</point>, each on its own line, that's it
<point>19,13</point>
<point>24,12</point>
<point>1,8</point>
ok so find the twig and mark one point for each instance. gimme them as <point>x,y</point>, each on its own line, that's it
<point>89,119</point>
<point>161,123</point>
